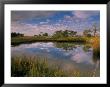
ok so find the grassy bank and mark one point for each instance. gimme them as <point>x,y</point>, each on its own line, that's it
<point>35,67</point>
<point>30,39</point>
<point>23,66</point>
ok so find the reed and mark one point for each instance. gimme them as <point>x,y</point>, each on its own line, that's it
<point>96,47</point>
<point>34,67</point>
<point>23,66</point>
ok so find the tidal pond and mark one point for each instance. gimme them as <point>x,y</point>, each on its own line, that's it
<point>70,56</point>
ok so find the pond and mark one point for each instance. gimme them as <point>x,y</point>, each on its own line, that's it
<point>69,55</point>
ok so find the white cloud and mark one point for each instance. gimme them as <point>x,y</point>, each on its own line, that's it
<point>47,21</point>
<point>82,57</point>
<point>78,22</point>
<point>43,22</point>
<point>30,29</point>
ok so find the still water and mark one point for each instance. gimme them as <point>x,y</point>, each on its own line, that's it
<point>69,55</point>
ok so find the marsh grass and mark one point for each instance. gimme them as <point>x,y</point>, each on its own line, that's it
<point>32,67</point>
<point>31,39</point>
<point>23,66</point>
<point>96,47</point>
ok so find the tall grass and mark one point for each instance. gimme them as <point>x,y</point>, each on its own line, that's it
<point>24,66</point>
<point>96,47</point>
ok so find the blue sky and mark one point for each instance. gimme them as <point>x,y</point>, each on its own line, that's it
<point>34,22</point>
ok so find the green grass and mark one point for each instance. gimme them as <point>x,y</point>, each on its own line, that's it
<point>31,39</point>
<point>23,66</point>
<point>96,47</point>
<point>34,67</point>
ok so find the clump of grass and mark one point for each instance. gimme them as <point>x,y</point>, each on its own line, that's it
<point>96,46</point>
<point>34,67</point>
<point>20,66</point>
<point>23,66</point>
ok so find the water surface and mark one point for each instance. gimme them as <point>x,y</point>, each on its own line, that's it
<point>69,55</point>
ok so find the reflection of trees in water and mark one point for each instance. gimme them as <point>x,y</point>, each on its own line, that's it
<point>95,58</point>
<point>65,45</point>
<point>96,52</point>
<point>87,47</point>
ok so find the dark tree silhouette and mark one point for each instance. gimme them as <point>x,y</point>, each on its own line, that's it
<point>14,34</point>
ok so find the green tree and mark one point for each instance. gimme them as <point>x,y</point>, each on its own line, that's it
<point>58,34</point>
<point>45,34</point>
<point>87,33</point>
<point>72,33</point>
<point>14,34</point>
<point>65,33</point>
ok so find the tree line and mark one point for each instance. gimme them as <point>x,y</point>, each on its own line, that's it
<point>14,34</point>
<point>61,33</point>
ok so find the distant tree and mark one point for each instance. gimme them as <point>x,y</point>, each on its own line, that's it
<point>94,29</point>
<point>72,33</point>
<point>65,33</point>
<point>45,34</point>
<point>87,33</point>
<point>58,34</point>
<point>14,34</point>
<point>39,35</point>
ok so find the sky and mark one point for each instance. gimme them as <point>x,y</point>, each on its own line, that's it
<point>33,22</point>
